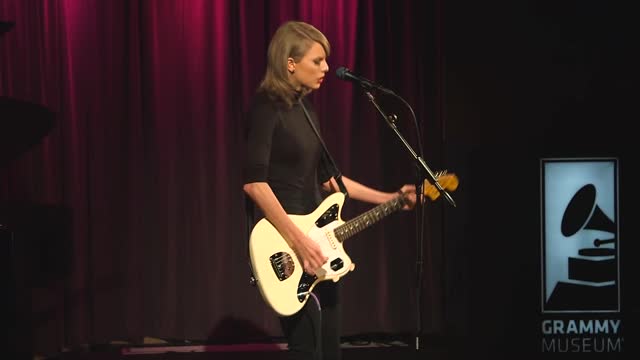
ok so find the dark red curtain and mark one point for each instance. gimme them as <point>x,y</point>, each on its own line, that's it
<point>144,162</point>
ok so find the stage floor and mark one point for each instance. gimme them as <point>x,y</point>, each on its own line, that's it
<point>396,350</point>
<point>395,353</point>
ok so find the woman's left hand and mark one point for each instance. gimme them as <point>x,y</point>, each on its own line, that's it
<point>409,193</point>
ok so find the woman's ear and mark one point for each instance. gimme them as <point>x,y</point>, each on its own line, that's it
<point>291,65</point>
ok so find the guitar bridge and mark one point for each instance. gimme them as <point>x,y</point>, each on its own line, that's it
<point>282,265</point>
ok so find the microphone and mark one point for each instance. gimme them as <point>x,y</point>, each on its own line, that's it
<point>345,74</point>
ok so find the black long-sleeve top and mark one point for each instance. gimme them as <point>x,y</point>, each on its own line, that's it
<point>284,151</point>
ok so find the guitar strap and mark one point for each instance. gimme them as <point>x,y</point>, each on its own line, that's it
<point>338,175</point>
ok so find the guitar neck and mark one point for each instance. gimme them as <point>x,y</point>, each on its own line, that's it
<point>366,219</point>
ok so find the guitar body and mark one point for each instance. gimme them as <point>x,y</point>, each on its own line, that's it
<point>279,273</point>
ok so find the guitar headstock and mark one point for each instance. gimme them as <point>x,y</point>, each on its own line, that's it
<point>447,181</point>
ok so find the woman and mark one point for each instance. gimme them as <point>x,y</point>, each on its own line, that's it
<point>287,171</point>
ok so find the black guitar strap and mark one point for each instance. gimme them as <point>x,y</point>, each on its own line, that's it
<point>338,175</point>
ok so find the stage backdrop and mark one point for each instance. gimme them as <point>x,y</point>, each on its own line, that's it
<point>136,191</point>
<point>526,81</point>
<point>143,169</point>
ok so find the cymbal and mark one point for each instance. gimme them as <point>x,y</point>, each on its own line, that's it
<point>5,26</point>
<point>23,125</point>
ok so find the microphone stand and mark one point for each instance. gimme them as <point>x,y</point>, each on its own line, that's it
<point>391,121</point>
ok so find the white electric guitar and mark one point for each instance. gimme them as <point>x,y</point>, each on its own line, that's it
<point>279,274</point>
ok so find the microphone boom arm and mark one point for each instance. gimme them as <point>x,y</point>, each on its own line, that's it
<point>392,125</point>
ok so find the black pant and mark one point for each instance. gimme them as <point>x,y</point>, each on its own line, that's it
<point>313,333</point>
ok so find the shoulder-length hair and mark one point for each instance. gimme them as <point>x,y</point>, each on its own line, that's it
<point>292,40</point>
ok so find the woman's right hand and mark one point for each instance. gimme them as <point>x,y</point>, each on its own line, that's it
<point>310,253</point>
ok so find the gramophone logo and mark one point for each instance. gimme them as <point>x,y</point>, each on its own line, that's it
<point>580,246</point>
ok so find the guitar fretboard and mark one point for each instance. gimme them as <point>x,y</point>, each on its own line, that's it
<point>366,219</point>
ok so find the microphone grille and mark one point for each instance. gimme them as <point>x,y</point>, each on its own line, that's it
<point>342,72</point>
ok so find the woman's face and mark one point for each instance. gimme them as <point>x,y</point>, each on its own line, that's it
<point>310,70</point>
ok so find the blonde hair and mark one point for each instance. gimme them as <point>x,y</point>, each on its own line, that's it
<point>292,40</point>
